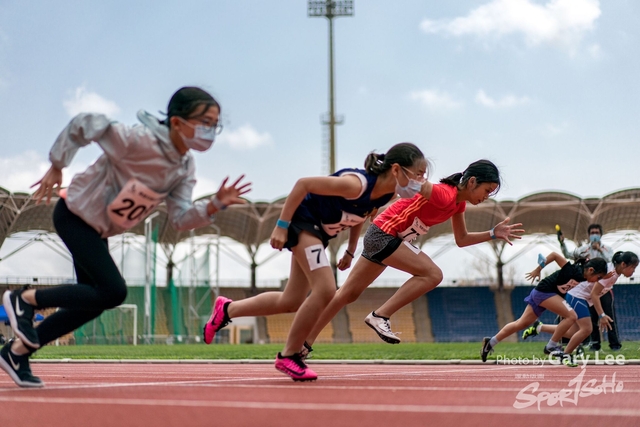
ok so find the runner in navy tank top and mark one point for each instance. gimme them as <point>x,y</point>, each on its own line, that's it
<point>332,214</point>
<point>316,210</point>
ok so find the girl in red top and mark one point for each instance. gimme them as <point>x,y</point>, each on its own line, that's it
<point>387,243</point>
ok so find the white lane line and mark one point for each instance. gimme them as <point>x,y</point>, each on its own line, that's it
<point>232,383</point>
<point>244,405</point>
<point>75,386</point>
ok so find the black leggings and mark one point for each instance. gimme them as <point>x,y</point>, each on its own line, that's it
<point>100,284</point>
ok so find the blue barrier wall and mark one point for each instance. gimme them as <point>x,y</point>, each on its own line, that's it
<point>626,302</point>
<point>462,314</point>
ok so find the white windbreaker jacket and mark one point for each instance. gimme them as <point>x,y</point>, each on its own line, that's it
<point>140,154</point>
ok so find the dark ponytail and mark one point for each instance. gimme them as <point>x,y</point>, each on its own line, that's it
<point>405,154</point>
<point>627,257</point>
<point>482,170</point>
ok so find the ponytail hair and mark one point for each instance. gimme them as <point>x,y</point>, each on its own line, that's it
<point>599,265</point>
<point>627,257</point>
<point>405,154</point>
<point>483,170</point>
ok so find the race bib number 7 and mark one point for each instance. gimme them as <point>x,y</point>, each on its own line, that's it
<point>316,257</point>
<point>134,202</point>
<point>417,228</point>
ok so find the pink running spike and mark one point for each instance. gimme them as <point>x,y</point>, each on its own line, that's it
<point>295,368</point>
<point>217,320</point>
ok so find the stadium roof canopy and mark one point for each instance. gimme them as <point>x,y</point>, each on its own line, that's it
<point>251,224</point>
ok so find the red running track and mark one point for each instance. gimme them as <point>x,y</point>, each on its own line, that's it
<point>256,395</point>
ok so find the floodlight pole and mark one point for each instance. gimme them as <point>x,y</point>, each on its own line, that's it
<point>331,9</point>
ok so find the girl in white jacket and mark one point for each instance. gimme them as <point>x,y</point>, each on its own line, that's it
<point>142,166</point>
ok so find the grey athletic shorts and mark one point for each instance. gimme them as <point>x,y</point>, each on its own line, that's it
<point>378,245</point>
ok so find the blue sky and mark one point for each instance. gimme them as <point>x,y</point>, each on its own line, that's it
<point>546,89</point>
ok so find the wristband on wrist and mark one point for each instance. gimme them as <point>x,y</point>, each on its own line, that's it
<point>349,253</point>
<point>283,224</point>
<point>602,315</point>
<point>218,203</point>
<point>492,234</point>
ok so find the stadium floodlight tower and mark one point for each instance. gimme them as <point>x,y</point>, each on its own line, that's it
<point>331,9</point>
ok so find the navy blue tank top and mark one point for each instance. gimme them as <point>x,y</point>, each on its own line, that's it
<point>334,213</point>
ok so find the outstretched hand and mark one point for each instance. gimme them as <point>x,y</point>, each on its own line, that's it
<point>52,180</point>
<point>505,231</point>
<point>533,275</point>
<point>230,195</point>
<point>605,323</point>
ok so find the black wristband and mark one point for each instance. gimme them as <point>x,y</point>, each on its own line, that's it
<point>349,253</point>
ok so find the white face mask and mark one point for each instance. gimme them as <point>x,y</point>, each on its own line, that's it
<point>203,137</point>
<point>410,190</point>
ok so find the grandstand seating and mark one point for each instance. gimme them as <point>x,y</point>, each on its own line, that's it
<point>462,314</point>
<point>372,298</point>
<point>627,306</point>
<point>278,328</point>
<point>457,314</point>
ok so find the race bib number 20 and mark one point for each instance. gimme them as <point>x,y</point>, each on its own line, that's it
<point>134,202</point>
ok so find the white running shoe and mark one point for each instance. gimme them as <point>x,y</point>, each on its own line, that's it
<point>382,328</point>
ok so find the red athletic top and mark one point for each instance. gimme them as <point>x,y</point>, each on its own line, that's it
<point>409,218</point>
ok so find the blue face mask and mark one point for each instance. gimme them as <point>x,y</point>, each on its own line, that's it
<point>410,190</point>
<point>593,238</point>
<point>203,137</point>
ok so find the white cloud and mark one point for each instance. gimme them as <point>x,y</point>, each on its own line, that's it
<point>595,51</point>
<point>506,101</point>
<point>83,101</point>
<point>245,138</point>
<point>551,130</point>
<point>561,22</point>
<point>204,187</point>
<point>435,99</point>
<point>19,173</point>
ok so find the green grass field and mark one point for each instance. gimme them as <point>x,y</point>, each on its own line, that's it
<point>381,351</point>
